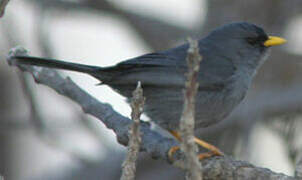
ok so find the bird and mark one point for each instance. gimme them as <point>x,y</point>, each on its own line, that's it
<point>231,54</point>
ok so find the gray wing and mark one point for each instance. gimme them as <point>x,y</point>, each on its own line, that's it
<point>155,69</point>
<point>167,69</point>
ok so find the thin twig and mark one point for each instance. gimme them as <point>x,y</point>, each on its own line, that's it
<point>187,121</point>
<point>137,105</point>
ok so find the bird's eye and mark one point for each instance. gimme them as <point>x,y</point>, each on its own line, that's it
<point>256,40</point>
<point>252,41</point>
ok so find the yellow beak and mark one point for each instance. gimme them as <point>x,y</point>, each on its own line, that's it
<point>274,41</point>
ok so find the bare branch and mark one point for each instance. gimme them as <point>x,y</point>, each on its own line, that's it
<point>187,121</point>
<point>3,4</point>
<point>153,143</point>
<point>137,105</point>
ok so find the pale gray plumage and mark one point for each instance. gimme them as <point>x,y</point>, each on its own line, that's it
<point>231,57</point>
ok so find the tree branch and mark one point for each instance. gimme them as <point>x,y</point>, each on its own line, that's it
<point>137,106</point>
<point>187,121</point>
<point>153,143</point>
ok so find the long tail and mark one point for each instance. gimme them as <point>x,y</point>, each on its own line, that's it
<point>52,63</point>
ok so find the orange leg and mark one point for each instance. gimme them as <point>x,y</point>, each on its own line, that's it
<point>208,146</point>
<point>172,151</point>
<point>214,151</point>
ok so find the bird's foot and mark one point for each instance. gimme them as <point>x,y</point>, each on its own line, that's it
<point>172,151</point>
<point>201,156</point>
<point>213,151</point>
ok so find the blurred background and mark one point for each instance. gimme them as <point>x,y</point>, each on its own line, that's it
<point>46,136</point>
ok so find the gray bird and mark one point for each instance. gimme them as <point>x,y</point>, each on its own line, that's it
<point>231,56</point>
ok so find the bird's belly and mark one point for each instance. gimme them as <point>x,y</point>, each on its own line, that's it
<point>164,107</point>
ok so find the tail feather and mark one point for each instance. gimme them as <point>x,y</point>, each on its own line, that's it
<point>52,63</point>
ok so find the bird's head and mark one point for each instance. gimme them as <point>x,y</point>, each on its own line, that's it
<point>245,45</point>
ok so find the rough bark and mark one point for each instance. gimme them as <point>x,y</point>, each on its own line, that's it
<point>187,121</point>
<point>137,105</point>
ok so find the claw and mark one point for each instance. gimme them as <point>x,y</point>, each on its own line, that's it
<point>206,155</point>
<point>214,151</point>
<point>208,146</point>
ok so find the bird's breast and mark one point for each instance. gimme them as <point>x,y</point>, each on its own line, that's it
<point>216,106</point>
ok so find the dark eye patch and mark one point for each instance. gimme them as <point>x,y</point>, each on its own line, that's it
<point>259,40</point>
